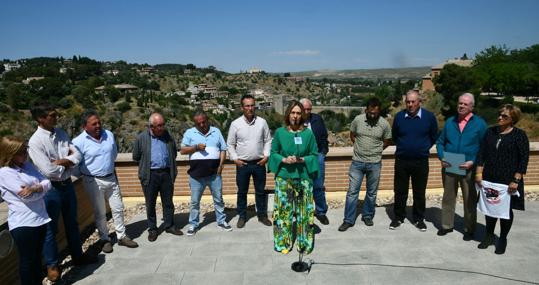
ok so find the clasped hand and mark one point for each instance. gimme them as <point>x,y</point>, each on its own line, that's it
<point>293,159</point>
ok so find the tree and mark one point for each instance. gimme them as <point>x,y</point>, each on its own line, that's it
<point>112,93</point>
<point>492,55</point>
<point>82,95</point>
<point>13,95</point>
<point>335,122</point>
<point>451,83</point>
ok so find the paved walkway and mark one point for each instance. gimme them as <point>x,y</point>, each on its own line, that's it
<point>371,255</point>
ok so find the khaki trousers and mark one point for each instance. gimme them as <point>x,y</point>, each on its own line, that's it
<point>451,183</point>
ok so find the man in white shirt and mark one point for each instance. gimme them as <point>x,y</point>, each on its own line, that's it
<point>249,144</point>
<point>55,157</point>
<point>99,151</point>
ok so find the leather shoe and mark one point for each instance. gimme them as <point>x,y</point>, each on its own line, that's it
<point>345,226</point>
<point>174,230</point>
<point>487,241</point>
<point>468,236</point>
<point>85,259</point>
<point>323,219</point>
<point>54,273</point>
<point>443,232</point>
<point>241,223</point>
<point>152,236</point>
<point>106,246</point>
<point>265,221</point>
<point>127,242</point>
<point>368,222</point>
<point>501,246</point>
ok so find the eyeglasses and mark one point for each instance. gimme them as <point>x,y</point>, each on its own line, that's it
<point>504,116</point>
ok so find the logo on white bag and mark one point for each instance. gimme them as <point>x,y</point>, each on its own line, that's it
<point>492,195</point>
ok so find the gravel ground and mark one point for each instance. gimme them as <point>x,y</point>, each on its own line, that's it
<point>92,246</point>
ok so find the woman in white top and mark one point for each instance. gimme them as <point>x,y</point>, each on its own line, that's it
<point>23,188</point>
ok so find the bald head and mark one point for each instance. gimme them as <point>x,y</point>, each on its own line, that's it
<point>157,124</point>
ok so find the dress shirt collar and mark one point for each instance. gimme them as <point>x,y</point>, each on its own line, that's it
<point>465,119</point>
<point>45,132</point>
<point>252,122</point>
<point>88,136</point>
<point>210,131</point>
<point>406,115</point>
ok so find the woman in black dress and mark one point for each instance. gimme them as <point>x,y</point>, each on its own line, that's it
<point>503,158</point>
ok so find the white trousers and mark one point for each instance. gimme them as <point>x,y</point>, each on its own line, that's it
<point>100,189</point>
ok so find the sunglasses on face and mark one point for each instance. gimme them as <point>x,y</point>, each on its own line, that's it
<point>503,116</point>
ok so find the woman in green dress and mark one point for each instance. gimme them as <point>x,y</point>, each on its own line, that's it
<point>294,160</point>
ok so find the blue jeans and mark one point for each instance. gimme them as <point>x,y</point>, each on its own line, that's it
<point>357,170</point>
<point>29,241</point>
<point>197,186</point>
<point>243,177</point>
<point>319,192</point>
<point>61,199</point>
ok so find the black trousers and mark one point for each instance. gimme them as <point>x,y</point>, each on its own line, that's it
<point>243,177</point>
<point>160,183</point>
<point>418,171</point>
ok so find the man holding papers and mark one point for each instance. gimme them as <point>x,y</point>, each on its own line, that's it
<point>457,148</point>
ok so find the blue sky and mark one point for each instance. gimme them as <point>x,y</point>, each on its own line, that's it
<point>276,36</point>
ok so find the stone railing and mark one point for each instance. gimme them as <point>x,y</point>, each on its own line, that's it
<point>337,163</point>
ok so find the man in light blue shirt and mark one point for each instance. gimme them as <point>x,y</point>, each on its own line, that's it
<point>99,151</point>
<point>206,148</point>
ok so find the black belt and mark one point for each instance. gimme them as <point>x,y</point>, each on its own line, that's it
<point>166,169</point>
<point>252,161</point>
<point>61,183</point>
<point>96,176</point>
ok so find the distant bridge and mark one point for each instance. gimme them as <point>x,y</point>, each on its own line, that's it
<point>280,102</point>
<point>338,109</point>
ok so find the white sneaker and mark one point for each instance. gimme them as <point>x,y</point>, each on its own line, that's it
<point>224,226</point>
<point>191,231</point>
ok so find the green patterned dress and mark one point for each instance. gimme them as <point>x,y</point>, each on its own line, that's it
<point>293,189</point>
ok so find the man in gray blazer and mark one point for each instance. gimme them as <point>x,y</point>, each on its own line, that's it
<point>155,152</point>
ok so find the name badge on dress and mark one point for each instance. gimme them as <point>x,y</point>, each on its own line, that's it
<point>297,140</point>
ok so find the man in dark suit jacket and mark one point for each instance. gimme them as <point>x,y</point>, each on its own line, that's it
<point>316,124</point>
